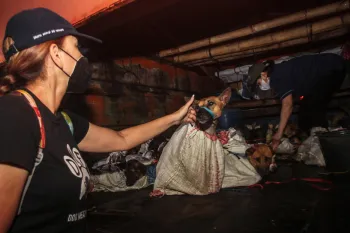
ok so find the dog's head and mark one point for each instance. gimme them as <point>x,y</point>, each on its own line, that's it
<point>210,108</point>
<point>134,171</point>
<point>261,157</point>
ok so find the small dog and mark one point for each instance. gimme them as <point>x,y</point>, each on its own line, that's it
<point>134,171</point>
<point>209,109</point>
<point>261,157</point>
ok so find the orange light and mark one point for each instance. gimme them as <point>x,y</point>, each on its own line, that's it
<point>301,97</point>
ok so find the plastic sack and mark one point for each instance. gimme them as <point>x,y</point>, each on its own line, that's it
<point>144,147</point>
<point>235,135</point>
<point>285,147</point>
<point>110,164</point>
<point>310,150</point>
<point>239,172</point>
<point>142,159</point>
<point>116,182</point>
<point>191,163</point>
<point>236,143</point>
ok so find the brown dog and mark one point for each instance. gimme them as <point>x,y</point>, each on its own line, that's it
<point>262,158</point>
<point>209,109</point>
<point>197,150</point>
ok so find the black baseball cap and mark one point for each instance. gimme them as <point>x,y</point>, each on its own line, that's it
<point>36,26</point>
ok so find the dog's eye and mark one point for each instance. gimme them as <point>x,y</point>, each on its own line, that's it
<point>258,159</point>
<point>210,103</point>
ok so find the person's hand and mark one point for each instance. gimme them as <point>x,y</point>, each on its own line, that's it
<point>276,140</point>
<point>186,114</point>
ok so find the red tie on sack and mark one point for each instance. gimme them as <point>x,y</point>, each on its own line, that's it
<point>308,180</point>
<point>223,137</point>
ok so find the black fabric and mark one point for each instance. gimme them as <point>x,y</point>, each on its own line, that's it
<point>18,133</point>
<point>301,75</point>
<point>35,26</point>
<point>56,198</point>
<point>335,149</point>
<point>79,80</point>
<point>313,107</point>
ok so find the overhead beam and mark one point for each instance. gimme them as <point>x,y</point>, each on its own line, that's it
<point>307,30</point>
<point>260,27</point>
<point>274,47</point>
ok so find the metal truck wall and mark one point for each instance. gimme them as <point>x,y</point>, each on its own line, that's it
<point>134,91</point>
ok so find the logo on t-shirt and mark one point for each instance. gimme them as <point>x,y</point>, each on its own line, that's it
<point>78,168</point>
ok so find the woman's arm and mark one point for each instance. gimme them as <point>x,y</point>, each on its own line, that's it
<point>12,180</point>
<point>99,139</point>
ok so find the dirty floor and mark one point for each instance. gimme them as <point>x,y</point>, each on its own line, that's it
<point>295,206</point>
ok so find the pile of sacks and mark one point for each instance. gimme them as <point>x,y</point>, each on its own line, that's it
<point>195,163</point>
<point>294,144</point>
<point>227,165</point>
<point>129,170</point>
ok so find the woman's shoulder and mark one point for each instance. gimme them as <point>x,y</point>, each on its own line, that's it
<point>20,132</point>
<point>15,108</point>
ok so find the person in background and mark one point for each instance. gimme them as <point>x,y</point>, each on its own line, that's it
<point>44,180</point>
<point>311,79</point>
<point>260,83</point>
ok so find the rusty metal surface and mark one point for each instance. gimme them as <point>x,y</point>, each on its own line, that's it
<point>135,91</point>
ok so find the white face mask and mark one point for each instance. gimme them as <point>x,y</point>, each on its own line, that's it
<point>265,85</point>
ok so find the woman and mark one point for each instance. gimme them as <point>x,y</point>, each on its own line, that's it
<point>43,178</point>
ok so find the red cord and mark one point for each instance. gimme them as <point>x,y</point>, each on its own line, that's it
<point>312,180</point>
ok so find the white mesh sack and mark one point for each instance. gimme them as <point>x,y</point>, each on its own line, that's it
<point>191,163</point>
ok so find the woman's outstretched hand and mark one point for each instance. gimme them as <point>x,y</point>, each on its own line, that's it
<point>186,114</point>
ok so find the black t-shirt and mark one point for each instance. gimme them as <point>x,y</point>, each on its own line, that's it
<point>55,200</point>
<point>299,75</point>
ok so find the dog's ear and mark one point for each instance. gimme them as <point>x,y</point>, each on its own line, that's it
<point>249,152</point>
<point>225,96</point>
<point>187,98</point>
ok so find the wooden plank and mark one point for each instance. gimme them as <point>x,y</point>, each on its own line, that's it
<point>274,110</point>
<point>272,102</point>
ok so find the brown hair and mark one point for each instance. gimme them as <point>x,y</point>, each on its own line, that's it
<point>24,66</point>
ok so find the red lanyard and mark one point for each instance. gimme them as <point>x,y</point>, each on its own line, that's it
<point>32,103</point>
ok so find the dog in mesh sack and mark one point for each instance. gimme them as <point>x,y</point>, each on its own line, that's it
<point>193,160</point>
